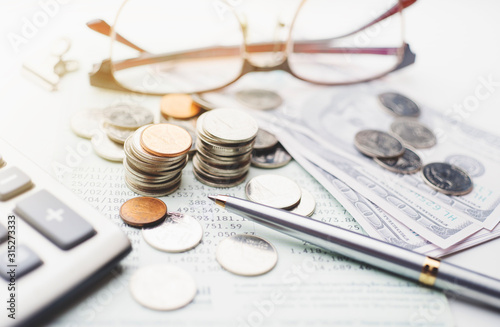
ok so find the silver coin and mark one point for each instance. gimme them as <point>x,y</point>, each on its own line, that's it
<point>127,116</point>
<point>230,125</point>
<point>408,163</point>
<point>107,149</point>
<point>413,133</point>
<point>447,179</point>
<point>162,287</point>
<point>202,102</point>
<point>117,134</point>
<point>378,144</point>
<point>259,99</point>
<point>274,191</point>
<point>399,105</point>
<point>307,204</point>
<point>178,233</point>
<point>471,165</point>
<point>274,158</point>
<point>264,140</point>
<point>246,255</point>
<point>85,123</point>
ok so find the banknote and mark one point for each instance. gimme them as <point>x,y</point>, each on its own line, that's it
<point>423,215</point>
<point>375,221</point>
<point>378,223</point>
<point>337,116</point>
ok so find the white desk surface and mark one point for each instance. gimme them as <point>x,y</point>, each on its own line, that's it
<point>456,42</point>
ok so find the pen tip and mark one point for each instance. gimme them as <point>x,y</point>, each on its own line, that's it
<point>219,199</point>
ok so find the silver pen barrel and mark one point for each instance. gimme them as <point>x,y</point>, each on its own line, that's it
<point>452,279</point>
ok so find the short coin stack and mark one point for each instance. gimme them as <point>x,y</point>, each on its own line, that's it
<point>280,192</point>
<point>268,152</point>
<point>154,158</point>
<point>108,128</point>
<point>225,142</point>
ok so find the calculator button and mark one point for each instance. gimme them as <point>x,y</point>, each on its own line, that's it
<point>54,219</point>
<point>12,182</point>
<point>24,261</point>
<point>3,234</point>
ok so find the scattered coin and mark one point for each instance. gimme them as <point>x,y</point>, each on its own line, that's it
<point>399,105</point>
<point>472,166</point>
<point>105,148</point>
<point>307,204</point>
<point>162,287</point>
<point>85,123</point>
<point>179,106</point>
<point>264,140</point>
<point>246,255</point>
<point>274,191</point>
<point>224,144</point>
<point>178,233</point>
<point>408,163</point>
<point>378,144</point>
<point>202,102</point>
<point>413,133</point>
<point>143,211</point>
<point>117,134</point>
<point>447,179</point>
<point>127,116</point>
<point>259,99</point>
<point>166,140</point>
<point>275,158</point>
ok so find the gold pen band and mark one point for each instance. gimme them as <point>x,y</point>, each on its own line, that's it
<point>429,271</point>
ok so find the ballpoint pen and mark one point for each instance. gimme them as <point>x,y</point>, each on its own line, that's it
<point>452,279</point>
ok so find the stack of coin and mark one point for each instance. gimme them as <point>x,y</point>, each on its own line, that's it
<point>225,139</point>
<point>268,152</point>
<point>155,156</point>
<point>108,128</point>
<point>120,121</point>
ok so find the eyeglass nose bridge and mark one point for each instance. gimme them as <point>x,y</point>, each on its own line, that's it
<point>248,67</point>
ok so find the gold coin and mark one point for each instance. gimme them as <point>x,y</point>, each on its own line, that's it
<point>166,140</point>
<point>143,211</point>
<point>178,106</point>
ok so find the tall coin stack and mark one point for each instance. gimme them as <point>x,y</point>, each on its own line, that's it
<point>225,142</point>
<point>154,158</point>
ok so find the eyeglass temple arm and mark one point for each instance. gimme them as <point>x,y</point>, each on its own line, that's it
<point>395,9</point>
<point>100,26</point>
<point>148,58</point>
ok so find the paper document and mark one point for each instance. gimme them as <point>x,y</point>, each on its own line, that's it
<point>309,286</point>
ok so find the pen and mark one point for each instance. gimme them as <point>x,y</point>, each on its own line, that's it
<point>452,279</point>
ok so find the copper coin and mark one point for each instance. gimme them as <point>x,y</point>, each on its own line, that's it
<point>143,211</point>
<point>178,106</point>
<point>166,140</point>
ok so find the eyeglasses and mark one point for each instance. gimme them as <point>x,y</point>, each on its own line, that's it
<point>195,46</point>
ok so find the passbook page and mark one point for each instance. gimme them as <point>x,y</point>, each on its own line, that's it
<point>308,286</point>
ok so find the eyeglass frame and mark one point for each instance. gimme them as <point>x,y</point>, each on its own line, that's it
<point>102,74</point>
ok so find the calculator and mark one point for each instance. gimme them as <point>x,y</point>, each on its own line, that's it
<point>52,243</point>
